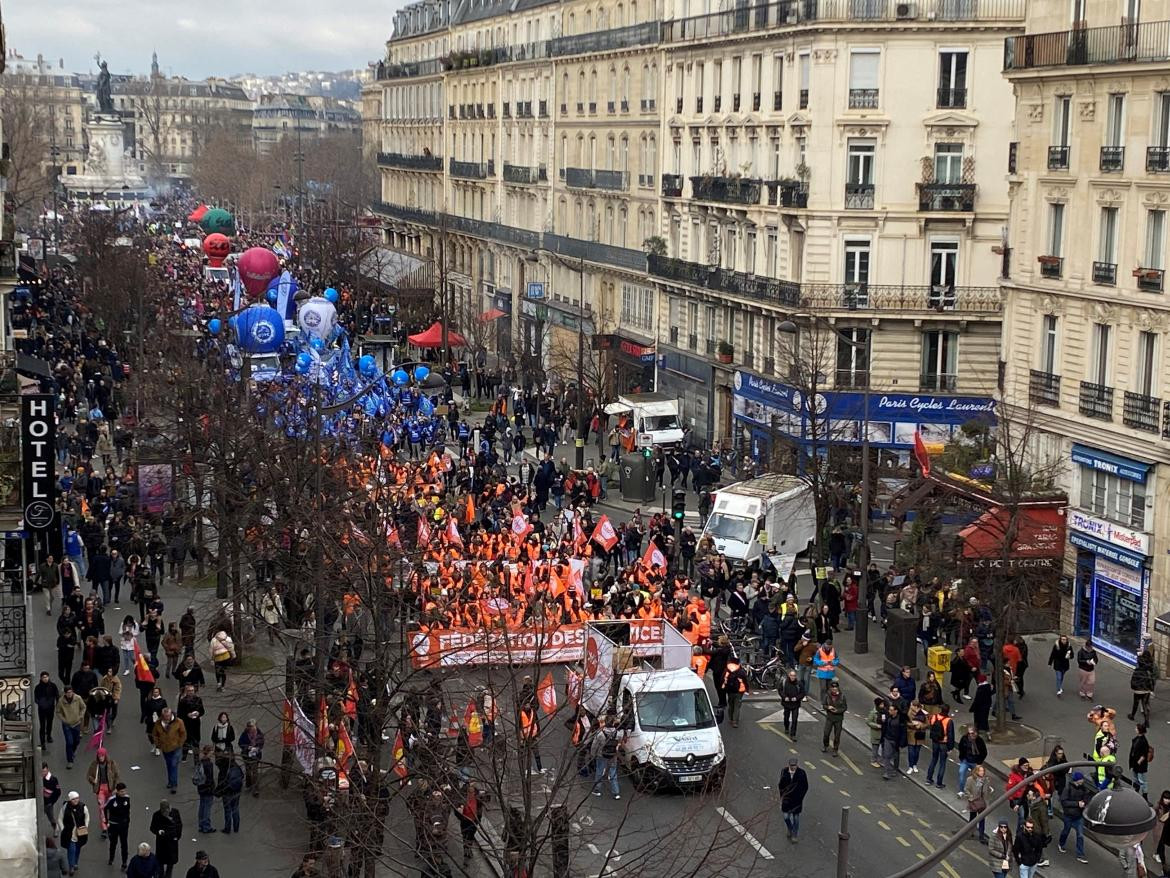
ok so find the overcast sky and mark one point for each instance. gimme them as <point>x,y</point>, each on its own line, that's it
<point>197,39</point>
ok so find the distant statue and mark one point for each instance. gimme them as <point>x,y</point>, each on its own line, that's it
<point>104,98</point>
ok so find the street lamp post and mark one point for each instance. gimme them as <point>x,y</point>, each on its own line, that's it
<point>861,625</point>
<point>582,417</point>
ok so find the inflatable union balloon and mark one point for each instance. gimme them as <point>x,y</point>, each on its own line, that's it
<point>317,317</point>
<point>331,295</point>
<point>282,292</point>
<point>317,344</point>
<point>218,220</point>
<point>214,326</point>
<point>367,365</point>
<point>258,266</point>
<point>260,329</point>
<point>270,296</point>
<point>421,373</point>
<point>304,362</point>
<point>217,247</point>
<point>400,377</point>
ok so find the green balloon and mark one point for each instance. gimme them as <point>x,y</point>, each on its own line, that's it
<point>218,220</point>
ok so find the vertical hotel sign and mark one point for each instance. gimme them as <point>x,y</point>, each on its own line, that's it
<point>38,445</point>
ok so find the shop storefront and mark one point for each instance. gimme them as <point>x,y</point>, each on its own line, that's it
<point>691,379</point>
<point>768,411</point>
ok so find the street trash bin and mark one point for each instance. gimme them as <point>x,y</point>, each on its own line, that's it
<point>938,659</point>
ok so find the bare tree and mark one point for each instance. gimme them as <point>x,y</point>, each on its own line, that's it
<point>28,127</point>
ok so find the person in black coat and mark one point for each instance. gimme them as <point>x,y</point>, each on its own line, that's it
<point>46,695</point>
<point>720,655</point>
<point>981,705</point>
<point>960,677</point>
<point>793,787</point>
<point>167,826</point>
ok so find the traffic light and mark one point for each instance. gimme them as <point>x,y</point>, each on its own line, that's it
<point>648,452</point>
<point>678,506</point>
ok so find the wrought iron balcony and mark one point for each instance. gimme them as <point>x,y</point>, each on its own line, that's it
<point>673,335</point>
<point>1140,411</point>
<point>846,378</point>
<point>1051,267</point>
<point>793,194</point>
<point>1013,155</point>
<point>1127,43</point>
<point>937,381</point>
<point>584,178</point>
<point>952,98</point>
<point>692,341</point>
<point>625,106</point>
<point>1105,273</point>
<point>405,213</point>
<point>672,185</point>
<point>1112,158</point>
<point>755,102</point>
<point>643,34</point>
<point>1043,388</point>
<point>1166,420</point>
<point>524,174</point>
<point>410,162</point>
<point>1058,158</point>
<point>14,625</point>
<point>728,190</point>
<point>472,170</point>
<point>723,280</point>
<point>947,197</point>
<point>610,107</point>
<point>863,98</point>
<point>1158,159</point>
<point>1150,280</point>
<point>859,196</point>
<point>804,99</point>
<point>410,68</point>
<point>1096,401</point>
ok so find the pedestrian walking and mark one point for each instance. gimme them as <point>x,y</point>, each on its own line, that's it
<point>143,864</point>
<point>606,744</point>
<point>942,742</point>
<point>734,685</point>
<point>999,850</point>
<point>916,727</point>
<point>223,738</point>
<point>223,653</point>
<point>129,639</point>
<point>56,860</point>
<point>166,825</point>
<point>1029,849</point>
<point>791,695</point>
<point>190,709</point>
<point>251,745</point>
<point>169,737</point>
<point>102,775</point>
<point>1073,802</point>
<point>469,816</point>
<point>893,740</point>
<point>1139,759</point>
<point>1087,670</point>
<point>71,713</point>
<point>1141,684</point>
<point>981,704</point>
<point>45,696</point>
<point>153,704</point>
<point>1060,660</point>
<point>116,815</point>
<point>825,663</point>
<point>1160,836</point>
<point>978,791</point>
<point>50,794</point>
<point>202,867</point>
<point>835,706</point>
<point>793,787</point>
<point>229,787</point>
<point>203,777</point>
<point>74,828</point>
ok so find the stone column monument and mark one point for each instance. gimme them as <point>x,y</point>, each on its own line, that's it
<point>105,174</point>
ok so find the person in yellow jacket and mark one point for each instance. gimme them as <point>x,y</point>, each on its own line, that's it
<point>1105,760</point>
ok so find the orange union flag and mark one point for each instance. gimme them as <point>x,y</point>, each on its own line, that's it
<point>546,692</point>
<point>604,534</point>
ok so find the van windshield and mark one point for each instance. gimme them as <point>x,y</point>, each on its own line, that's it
<point>675,711</point>
<point>731,527</point>
<point>653,423</point>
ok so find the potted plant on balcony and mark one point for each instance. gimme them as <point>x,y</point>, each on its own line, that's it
<point>1147,273</point>
<point>655,245</point>
<point>1048,260</point>
<point>724,352</point>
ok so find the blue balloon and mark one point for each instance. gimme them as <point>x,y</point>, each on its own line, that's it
<point>331,295</point>
<point>400,377</point>
<point>214,326</point>
<point>367,365</point>
<point>233,321</point>
<point>271,296</point>
<point>421,373</point>
<point>260,329</point>
<point>316,344</point>
<point>304,363</point>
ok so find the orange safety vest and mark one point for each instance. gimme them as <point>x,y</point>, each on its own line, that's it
<point>528,727</point>
<point>732,667</point>
<point>946,724</point>
<point>703,623</point>
<point>579,731</point>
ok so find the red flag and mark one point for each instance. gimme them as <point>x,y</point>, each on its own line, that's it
<point>322,722</point>
<point>349,705</point>
<point>604,534</point>
<point>399,754</point>
<point>546,691</point>
<point>453,533</point>
<point>654,556</point>
<point>287,727</point>
<point>142,671</point>
<point>578,534</point>
<point>473,724</point>
<point>520,526</point>
<point>452,725</point>
<point>392,536</point>
<point>920,453</point>
<point>573,687</point>
<point>424,532</point>
<point>344,747</point>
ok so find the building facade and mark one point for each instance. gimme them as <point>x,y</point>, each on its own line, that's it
<point>712,175</point>
<point>280,116</point>
<point>1085,312</point>
<point>56,97</point>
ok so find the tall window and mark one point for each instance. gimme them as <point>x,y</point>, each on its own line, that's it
<point>944,268</point>
<point>1161,135</point>
<point>1155,239</point>
<point>1107,245</point>
<point>1115,121</point>
<point>1099,364</point>
<point>952,78</point>
<point>693,325</point>
<point>940,360</point>
<point>863,78</point>
<point>853,357</point>
<point>1112,497</point>
<point>1145,377</point>
<point>948,163</point>
<point>1049,336</point>
<point>770,253</point>
<point>777,82</point>
<point>856,272</point>
<point>1062,120</point>
<point>1055,229</point>
<point>803,64</point>
<point>637,306</point>
<point>860,162</point>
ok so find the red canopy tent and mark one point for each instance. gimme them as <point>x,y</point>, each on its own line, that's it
<point>197,213</point>
<point>432,337</point>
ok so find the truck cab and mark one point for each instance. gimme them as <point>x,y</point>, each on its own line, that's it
<point>654,417</point>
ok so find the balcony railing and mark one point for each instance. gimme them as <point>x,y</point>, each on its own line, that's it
<point>946,197</point>
<point>472,170</point>
<point>1158,159</point>
<point>1105,273</point>
<point>793,194</point>
<point>1051,267</point>
<point>729,190</point>
<point>1166,420</point>
<point>762,17</point>
<point>859,196</point>
<point>723,280</point>
<point>863,98</point>
<point>1013,155</point>
<point>584,178</point>
<point>404,213</point>
<point>411,68</point>
<point>1096,401</point>
<point>1140,411</point>
<point>1058,158</point>
<point>777,100</point>
<point>1043,388</point>
<point>523,174</point>
<point>1150,280</point>
<point>952,98</point>
<point>1145,42</point>
<point>593,251</point>
<point>936,381</point>
<point>643,34</point>
<point>846,378</point>
<point>672,185</point>
<point>1112,158</point>
<point>410,162</point>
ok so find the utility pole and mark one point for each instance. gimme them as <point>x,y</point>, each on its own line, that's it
<point>300,156</point>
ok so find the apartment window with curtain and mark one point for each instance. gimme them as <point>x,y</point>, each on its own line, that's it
<point>710,328</point>
<point>1049,338</point>
<point>1058,152</point>
<point>853,344</point>
<point>952,78</point>
<point>717,87</point>
<point>736,83</point>
<point>1151,273</point>
<point>693,325</point>
<point>1105,267</point>
<point>770,253</point>
<point>1146,375</point>
<point>777,82</point>
<point>856,275</point>
<point>948,163</point>
<point>940,360</point>
<point>1142,408</point>
<point>863,79</point>
<point>803,64</point>
<point>1099,359</point>
<point>1113,149</point>
<point>757,81</point>
<point>859,188</point>
<point>698,88</point>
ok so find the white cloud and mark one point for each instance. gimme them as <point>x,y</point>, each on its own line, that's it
<point>248,36</point>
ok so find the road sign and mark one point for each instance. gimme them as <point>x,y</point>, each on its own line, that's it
<point>535,289</point>
<point>645,440</point>
<point>15,534</point>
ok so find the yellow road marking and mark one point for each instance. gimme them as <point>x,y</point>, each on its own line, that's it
<point>950,869</point>
<point>845,793</point>
<point>826,779</point>
<point>831,765</point>
<point>863,809</point>
<point>884,825</point>
<point>981,857</point>
<point>891,806</point>
<point>851,764</point>
<point>923,823</point>
<point>922,838</point>
<point>904,843</point>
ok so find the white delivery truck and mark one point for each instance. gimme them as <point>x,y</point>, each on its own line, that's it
<point>641,671</point>
<point>654,416</point>
<point>774,513</point>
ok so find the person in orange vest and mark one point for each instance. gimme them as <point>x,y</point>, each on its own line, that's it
<point>734,685</point>
<point>942,742</point>
<point>701,618</point>
<point>825,665</point>
<point>530,733</point>
<point>699,660</point>
<point>582,739</point>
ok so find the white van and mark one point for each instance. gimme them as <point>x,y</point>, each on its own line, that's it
<point>774,513</point>
<point>655,417</point>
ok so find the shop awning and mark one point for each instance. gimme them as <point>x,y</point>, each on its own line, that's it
<point>1039,533</point>
<point>34,366</point>
<point>492,314</point>
<point>432,337</point>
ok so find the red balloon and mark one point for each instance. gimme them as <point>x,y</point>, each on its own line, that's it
<point>217,247</point>
<point>258,265</point>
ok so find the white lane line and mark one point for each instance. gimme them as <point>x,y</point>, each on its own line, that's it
<point>593,849</point>
<point>747,836</point>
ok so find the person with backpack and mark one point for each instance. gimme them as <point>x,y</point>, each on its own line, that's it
<point>734,685</point>
<point>229,788</point>
<point>606,743</point>
<point>942,742</point>
<point>203,777</point>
